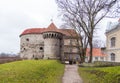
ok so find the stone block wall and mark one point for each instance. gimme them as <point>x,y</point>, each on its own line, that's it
<point>32,46</point>
<point>51,48</point>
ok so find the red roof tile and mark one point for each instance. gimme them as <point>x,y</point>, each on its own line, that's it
<point>33,31</point>
<point>96,52</point>
<point>68,32</point>
<point>51,27</point>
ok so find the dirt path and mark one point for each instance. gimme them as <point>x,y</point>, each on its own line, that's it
<point>71,74</point>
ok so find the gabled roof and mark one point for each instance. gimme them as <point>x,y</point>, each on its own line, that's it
<point>97,52</point>
<point>50,28</point>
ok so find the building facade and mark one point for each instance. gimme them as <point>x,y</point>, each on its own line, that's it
<point>48,43</point>
<point>113,43</point>
<point>99,54</point>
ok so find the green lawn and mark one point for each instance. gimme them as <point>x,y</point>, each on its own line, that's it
<point>100,75</point>
<point>31,71</point>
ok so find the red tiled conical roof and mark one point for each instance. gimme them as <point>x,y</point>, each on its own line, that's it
<point>52,28</point>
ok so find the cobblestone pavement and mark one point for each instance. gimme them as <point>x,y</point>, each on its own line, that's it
<point>71,74</point>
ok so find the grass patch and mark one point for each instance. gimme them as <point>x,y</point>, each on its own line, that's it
<point>32,71</point>
<point>100,75</point>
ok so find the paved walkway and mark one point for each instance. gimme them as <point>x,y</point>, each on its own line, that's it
<point>71,74</point>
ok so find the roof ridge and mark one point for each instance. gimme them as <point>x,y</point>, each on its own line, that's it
<point>50,28</point>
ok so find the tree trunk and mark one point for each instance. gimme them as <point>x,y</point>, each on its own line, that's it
<point>91,48</point>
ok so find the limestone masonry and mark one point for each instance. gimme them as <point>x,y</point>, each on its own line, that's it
<point>113,43</point>
<point>48,43</point>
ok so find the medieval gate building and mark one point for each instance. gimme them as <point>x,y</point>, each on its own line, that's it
<point>48,43</point>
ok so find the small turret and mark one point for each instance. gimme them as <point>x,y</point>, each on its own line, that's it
<point>52,39</point>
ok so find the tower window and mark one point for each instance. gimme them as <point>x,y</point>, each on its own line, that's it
<point>27,39</point>
<point>23,49</point>
<point>41,48</point>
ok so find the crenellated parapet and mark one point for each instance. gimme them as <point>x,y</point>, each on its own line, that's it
<point>52,35</point>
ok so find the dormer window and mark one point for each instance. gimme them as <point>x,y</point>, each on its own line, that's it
<point>112,42</point>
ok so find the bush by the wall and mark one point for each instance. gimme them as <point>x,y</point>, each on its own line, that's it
<point>100,64</point>
<point>105,64</point>
<point>86,65</point>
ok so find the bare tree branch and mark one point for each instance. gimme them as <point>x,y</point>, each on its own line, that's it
<point>86,14</point>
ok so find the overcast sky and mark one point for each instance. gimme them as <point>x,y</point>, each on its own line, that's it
<point>18,15</point>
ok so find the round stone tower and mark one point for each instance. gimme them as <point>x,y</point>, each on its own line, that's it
<point>52,45</point>
<point>52,42</point>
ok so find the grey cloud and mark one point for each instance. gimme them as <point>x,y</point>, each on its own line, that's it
<point>11,26</point>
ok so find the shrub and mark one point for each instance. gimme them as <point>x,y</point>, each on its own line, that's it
<point>36,58</point>
<point>100,64</point>
<point>86,65</point>
<point>105,64</point>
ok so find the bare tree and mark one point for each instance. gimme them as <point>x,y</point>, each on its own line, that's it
<point>86,14</point>
<point>97,43</point>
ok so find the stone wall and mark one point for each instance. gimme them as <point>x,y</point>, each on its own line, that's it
<point>35,46</point>
<point>51,48</point>
<point>70,48</point>
<point>32,46</point>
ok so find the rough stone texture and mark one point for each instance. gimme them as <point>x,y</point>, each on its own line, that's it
<point>70,49</point>
<point>71,74</point>
<point>116,50</point>
<point>53,47</point>
<point>45,43</point>
<point>31,48</point>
